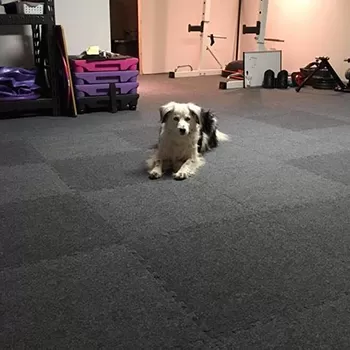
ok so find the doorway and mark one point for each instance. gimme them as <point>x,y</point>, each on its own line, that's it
<point>124,27</point>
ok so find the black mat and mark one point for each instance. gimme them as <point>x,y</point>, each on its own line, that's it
<point>252,253</point>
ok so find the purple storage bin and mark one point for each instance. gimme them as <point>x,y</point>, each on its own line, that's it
<point>127,76</point>
<point>103,89</point>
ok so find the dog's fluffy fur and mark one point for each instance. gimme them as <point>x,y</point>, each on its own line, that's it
<point>187,131</point>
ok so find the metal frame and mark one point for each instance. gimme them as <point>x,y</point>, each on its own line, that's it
<point>264,5</point>
<point>45,57</point>
<point>323,62</point>
<point>204,34</point>
<point>259,30</point>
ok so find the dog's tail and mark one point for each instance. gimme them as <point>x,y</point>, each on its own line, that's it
<point>221,136</point>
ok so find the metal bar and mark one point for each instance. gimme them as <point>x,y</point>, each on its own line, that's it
<point>275,40</point>
<point>271,39</point>
<point>204,34</point>
<point>218,37</point>
<point>238,29</point>
<point>215,58</point>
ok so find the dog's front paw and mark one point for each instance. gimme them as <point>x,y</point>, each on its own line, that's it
<point>180,175</point>
<point>154,174</point>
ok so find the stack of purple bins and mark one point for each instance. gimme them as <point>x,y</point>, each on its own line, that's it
<point>93,80</point>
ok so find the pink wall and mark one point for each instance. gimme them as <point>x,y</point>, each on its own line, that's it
<point>310,28</point>
<point>165,41</point>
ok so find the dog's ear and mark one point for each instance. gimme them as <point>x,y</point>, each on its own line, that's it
<point>165,111</point>
<point>195,111</point>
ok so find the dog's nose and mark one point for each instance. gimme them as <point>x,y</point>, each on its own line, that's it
<point>182,131</point>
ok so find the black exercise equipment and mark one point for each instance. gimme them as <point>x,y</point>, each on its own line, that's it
<point>347,73</point>
<point>196,28</point>
<point>311,67</point>
<point>282,80</point>
<point>321,63</point>
<point>269,79</point>
<point>252,30</point>
<point>326,83</point>
<point>232,67</point>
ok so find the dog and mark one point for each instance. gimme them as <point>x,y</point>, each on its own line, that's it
<point>187,131</point>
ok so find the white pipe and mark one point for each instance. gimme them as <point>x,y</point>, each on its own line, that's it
<point>264,4</point>
<point>206,20</point>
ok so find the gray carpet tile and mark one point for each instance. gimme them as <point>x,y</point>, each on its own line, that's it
<point>330,104</point>
<point>18,153</point>
<point>63,146</point>
<point>251,253</point>
<point>339,135</point>
<point>212,271</point>
<point>295,269</point>
<point>261,183</point>
<point>311,329</point>
<point>335,166</point>
<point>322,224</point>
<point>50,227</point>
<point>29,181</point>
<point>107,171</point>
<point>274,141</point>
<point>237,263</point>
<point>298,120</point>
<point>147,208</point>
<point>104,299</point>
<point>161,206</point>
<point>141,137</point>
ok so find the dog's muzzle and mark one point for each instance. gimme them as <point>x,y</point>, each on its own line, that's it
<point>182,131</point>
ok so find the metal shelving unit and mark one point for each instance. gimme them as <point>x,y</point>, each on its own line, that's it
<point>45,59</point>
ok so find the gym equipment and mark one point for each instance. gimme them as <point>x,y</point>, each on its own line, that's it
<point>323,63</point>
<point>104,64</point>
<point>269,79</point>
<point>259,30</point>
<point>104,80</point>
<point>308,69</point>
<point>203,29</point>
<point>127,76</point>
<point>103,89</point>
<point>282,80</point>
<point>109,102</point>
<point>232,67</point>
<point>324,83</point>
<point>322,79</point>
<point>347,73</point>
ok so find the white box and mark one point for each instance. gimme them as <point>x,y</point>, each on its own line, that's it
<point>30,8</point>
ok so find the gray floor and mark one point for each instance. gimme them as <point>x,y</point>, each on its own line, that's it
<point>253,253</point>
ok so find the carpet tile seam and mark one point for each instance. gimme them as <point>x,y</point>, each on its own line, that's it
<point>295,312</point>
<point>203,328</point>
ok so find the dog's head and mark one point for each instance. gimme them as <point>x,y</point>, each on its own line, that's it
<point>182,118</point>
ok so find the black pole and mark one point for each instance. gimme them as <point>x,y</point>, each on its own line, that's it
<point>238,28</point>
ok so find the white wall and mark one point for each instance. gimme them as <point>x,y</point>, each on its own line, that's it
<point>310,28</point>
<point>165,41</point>
<point>86,23</point>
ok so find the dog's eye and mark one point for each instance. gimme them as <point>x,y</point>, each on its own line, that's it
<point>187,119</point>
<point>176,119</point>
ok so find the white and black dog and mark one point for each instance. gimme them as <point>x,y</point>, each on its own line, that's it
<point>187,131</point>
